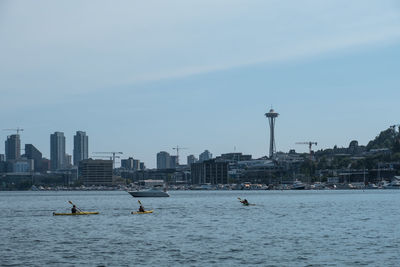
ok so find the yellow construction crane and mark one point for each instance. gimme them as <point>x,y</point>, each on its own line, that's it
<point>177,148</point>
<point>310,144</point>
<point>16,130</point>
<point>111,157</point>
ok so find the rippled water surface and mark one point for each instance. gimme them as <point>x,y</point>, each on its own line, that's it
<point>202,228</point>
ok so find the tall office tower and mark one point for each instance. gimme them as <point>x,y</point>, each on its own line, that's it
<point>31,152</point>
<point>271,115</point>
<point>68,160</point>
<point>173,162</point>
<point>81,147</point>
<point>57,151</point>
<point>136,165</point>
<point>191,159</point>
<point>142,166</point>
<point>163,160</point>
<point>13,147</point>
<point>206,155</point>
<point>130,164</point>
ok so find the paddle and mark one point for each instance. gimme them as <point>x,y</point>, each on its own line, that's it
<point>70,202</point>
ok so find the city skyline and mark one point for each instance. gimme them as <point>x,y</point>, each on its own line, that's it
<point>331,73</point>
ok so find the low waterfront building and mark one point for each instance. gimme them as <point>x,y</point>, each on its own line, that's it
<point>149,174</point>
<point>234,157</point>
<point>96,172</point>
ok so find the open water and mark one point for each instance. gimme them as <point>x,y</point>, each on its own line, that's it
<point>202,228</point>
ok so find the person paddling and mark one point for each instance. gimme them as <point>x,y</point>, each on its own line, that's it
<point>73,209</point>
<point>244,202</point>
<point>141,209</point>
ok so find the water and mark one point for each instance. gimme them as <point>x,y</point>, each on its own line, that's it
<point>202,228</point>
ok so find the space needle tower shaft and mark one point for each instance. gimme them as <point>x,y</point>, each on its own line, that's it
<point>271,115</point>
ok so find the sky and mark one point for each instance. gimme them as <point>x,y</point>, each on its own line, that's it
<point>145,76</point>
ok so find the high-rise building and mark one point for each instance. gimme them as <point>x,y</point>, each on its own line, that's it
<point>57,151</point>
<point>163,160</point>
<point>31,152</point>
<point>2,157</point>
<point>127,163</point>
<point>136,164</point>
<point>81,147</point>
<point>191,159</point>
<point>68,160</point>
<point>13,147</point>
<point>142,166</point>
<point>130,164</point>
<point>173,162</point>
<point>206,155</point>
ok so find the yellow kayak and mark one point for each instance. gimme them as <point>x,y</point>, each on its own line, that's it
<point>145,212</point>
<point>78,213</point>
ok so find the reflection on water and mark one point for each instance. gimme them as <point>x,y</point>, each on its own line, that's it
<point>304,228</point>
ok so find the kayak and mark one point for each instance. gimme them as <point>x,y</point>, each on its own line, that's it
<point>145,212</point>
<point>78,213</point>
<point>248,204</point>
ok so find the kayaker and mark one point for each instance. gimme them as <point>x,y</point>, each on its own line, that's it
<point>141,209</point>
<point>73,209</point>
<point>245,202</point>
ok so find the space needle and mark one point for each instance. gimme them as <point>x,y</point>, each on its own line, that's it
<point>271,115</point>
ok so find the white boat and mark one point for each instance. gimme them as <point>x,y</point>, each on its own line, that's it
<point>395,184</point>
<point>152,192</point>
<point>297,185</point>
<point>372,186</point>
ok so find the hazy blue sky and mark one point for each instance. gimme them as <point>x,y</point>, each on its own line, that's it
<point>144,76</point>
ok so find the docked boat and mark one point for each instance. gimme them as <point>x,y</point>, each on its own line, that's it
<point>297,185</point>
<point>395,184</point>
<point>152,192</point>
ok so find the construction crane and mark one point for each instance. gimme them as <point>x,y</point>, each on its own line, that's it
<point>111,157</point>
<point>310,144</point>
<point>177,148</point>
<point>16,130</point>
